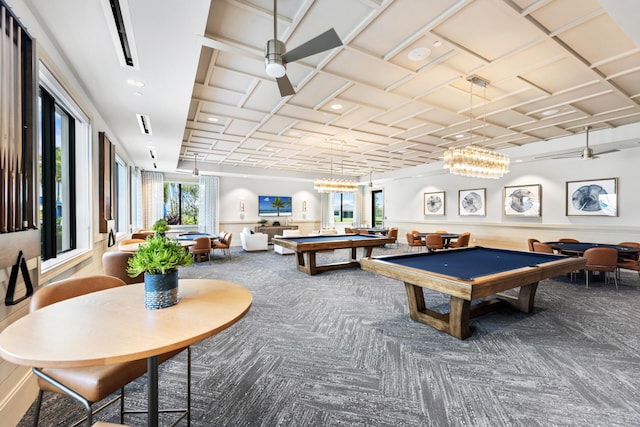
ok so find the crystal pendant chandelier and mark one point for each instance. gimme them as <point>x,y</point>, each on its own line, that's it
<point>332,185</point>
<point>474,161</point>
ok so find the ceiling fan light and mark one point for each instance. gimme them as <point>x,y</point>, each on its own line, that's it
<point>275,70</point>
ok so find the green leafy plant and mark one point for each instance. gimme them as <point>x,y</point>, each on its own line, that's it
<point>262,222</point>
<point>158,255</point>
<point>161,226</point>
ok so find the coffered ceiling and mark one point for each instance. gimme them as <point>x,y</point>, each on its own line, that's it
<point>396,94</point>
<point>400,78</point>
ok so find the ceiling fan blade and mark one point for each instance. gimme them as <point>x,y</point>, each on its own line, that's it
<point>607,152</point>
<point>285,86</point>
<point>325,41</point>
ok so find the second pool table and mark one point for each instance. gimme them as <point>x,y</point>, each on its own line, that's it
<point>468,274</point>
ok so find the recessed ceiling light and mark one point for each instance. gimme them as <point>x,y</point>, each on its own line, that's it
<point>135,83</point>
<point>550,112</point>
<point>460,136</point>
<point>519,161</point>
<point>294,133</point>
<point>419,53</point>
<point>213,119</point>
<point>336,106</point>
<point>437,43</point>
<point>138,93</point>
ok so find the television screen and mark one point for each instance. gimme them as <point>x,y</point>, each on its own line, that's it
<point>274,205</point>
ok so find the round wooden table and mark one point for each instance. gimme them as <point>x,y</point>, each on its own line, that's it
<point>133,247</point>
<point>113,326</point>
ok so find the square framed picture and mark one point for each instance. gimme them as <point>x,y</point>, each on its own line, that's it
<point>596,197</point>
<point>522,200</point>
<point>434,203</point>
<point>472,202</point>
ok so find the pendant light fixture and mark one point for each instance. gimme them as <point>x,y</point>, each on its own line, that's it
<point>472,160</point>
<point>331,185</point>
<point>195,172</point>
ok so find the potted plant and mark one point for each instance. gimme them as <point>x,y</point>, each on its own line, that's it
<point>161,226</point>
<point>262,222</point>
<point>159,258</point>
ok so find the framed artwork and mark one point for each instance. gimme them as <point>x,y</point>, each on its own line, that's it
<point>472,202</point>
<point>522,200</point>
<point>596,197</point>
<point>434,203</point>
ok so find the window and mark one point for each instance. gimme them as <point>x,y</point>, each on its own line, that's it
<point>343,207</point>
<point>122,217</point>
<point>63,168</point>
<point>181,203</point>
<point>377,208</point>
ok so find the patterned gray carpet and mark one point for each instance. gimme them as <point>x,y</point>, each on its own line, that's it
<point>339,349</point>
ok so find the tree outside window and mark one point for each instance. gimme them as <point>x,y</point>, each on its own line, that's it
<point>181,203</point>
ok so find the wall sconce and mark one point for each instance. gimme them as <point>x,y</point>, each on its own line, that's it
<point>304,206</point>
<point>241,205</point>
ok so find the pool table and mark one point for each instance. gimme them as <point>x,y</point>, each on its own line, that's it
<point>468,274</point>
<point>310,245</point>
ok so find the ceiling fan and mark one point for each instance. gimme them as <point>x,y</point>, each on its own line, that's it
<point>585,154</point>
<point>276,56</point>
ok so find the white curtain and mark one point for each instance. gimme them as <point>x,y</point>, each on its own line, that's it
<point>136,197</point>
<point>209,212</point>
<point>152,197</point>
<point>358,206</point>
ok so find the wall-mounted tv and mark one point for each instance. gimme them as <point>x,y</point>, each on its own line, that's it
<point>274,205</point>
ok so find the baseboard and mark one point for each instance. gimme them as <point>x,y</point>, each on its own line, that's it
<point>19,399</point>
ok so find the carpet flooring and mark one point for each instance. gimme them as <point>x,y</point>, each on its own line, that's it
<point>339,349</point>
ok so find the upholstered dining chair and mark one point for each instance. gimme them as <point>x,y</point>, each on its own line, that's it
<point>462,242</point>
<point>568,240</point>
<point>441,231</point>
<point>414,241</point>
<point>223,243</point>
<point>143,234</point>
<point>542,247</point>
<point>201,251</point>
<point>629,261</point>
<point>530,243</point>
<point>393,234</point>
<point>92,383</point>
<point>115,264</point>
<point>604,260</point>
<point>433,242</point>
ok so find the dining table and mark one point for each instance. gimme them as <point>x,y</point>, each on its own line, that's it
<point>579,248</point>
<point>113,326</point>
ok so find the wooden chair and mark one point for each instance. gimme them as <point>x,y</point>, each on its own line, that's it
<point>92,383</point>
<point>604,260</point>
<point>414,241</point>
<point>462,242</point>
<point>143,235</point>
<point>542,247</point>
<point>434,242</point>
<point>115,264</point>
<point>201,251</point>
<point>530,242</point>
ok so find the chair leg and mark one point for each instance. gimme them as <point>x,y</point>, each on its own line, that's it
<point>586,278</point>
<point>36,415</point>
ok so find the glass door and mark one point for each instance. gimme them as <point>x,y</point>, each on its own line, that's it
<point>377,208</point>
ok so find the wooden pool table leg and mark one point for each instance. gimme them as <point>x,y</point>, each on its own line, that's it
<point>309,266</point>
<point>455,323</point>
<point>525,298</point>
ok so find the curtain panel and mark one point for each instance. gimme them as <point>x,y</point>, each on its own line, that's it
<point>152,197</point>
<point>209,212</point>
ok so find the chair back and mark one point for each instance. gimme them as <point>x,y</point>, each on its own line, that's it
<point>202,243</point>
<point>142,235</point>
<point>393,233</point>
<point>412,240</point>
<point>601,259</point>
<point>568,240</point>
<point>441,232</point>
<point>542,247</point>
<point>434,241</point>
<point>463,240</point>
<point>530,242</point>
<point>130,241</point>
<point>115,264</point>
<point>70,288</point>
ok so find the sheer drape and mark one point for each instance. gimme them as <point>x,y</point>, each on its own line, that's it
<point>209,212</point>
<point>358,206</point>
<point>326,210</point>
<point>152,197</point>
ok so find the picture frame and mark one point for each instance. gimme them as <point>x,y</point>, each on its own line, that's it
<point>434,203</point>
<point>472,202</point>
<point>592,197</point>
<point>522,200</point>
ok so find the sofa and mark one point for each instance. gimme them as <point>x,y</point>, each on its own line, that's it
<point>282,250</point>
<point>254,241</point>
